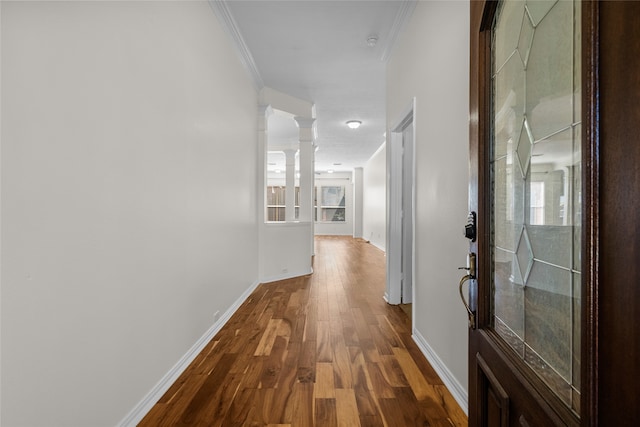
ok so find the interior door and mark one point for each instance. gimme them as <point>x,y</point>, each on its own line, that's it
<point>554,179</point>
<point>527,173</point>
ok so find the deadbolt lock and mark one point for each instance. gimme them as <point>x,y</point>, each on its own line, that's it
<point>470,228</point>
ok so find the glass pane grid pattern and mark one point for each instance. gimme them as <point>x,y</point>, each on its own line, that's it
<point>536,188</point>
<point>333,208</point>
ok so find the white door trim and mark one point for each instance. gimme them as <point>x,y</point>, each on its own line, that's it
<point>393,294</point>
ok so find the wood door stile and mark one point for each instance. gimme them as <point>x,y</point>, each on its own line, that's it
<point>320,350</point>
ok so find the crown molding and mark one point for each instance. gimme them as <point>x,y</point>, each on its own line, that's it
<point>225,17</point>
<point>400,22</point>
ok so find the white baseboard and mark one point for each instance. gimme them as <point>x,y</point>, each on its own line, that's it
<point>379,246</point>
<point>455,388</point>
<point>287,276</point>
<point>145,405</point>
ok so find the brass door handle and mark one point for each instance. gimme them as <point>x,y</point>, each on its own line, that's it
<point>471,314</point>
<point>471,268</point>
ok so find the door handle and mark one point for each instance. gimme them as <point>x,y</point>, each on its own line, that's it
<point>471,262</point>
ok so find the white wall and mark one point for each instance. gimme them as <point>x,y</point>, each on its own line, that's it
<point>285,250</point>
<point>431,62</point>
<point>120,121</point>
<point>375,199</point>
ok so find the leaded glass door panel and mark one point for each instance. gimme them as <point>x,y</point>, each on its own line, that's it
<point>535,170</point>
<point>525,365</point>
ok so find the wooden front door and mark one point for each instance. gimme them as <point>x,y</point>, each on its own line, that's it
<point>555,186</point>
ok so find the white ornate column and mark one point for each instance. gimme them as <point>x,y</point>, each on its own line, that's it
<point>290,188</point>
<point>264,112</point>
<point>307,127</point>
<point>307,138</point>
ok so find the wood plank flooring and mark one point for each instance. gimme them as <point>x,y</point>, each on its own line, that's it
<point>322,350</point>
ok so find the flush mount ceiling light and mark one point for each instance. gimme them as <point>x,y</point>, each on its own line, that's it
<point>354,124</point>
<point>372,40</point>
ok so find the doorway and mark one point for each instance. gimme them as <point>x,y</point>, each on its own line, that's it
<point>400,225</point>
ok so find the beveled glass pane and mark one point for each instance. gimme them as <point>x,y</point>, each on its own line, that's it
<point>552,243</point>
<point>509,105</point>
<point>523,148</point>
<point>548,319</point>
<point>553,165</point>
<point>536,189</point>
<point>509,293</point>
<point>524,255</point>
<point>549,88</point>
<point>537,9</point>
<point>508,204</point>
<point>555,152</point>
<point>509,24</point>
<point>526,37</point>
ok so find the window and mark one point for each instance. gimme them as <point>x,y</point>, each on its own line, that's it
<point>276,202</point>
<point>332,207</point>
<point>332,204</point>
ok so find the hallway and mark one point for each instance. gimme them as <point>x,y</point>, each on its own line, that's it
<point>323,350</point>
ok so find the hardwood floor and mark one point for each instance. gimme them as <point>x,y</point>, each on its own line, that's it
<point>321,350</point>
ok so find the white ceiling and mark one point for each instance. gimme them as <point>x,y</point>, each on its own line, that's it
<point>316,50</point>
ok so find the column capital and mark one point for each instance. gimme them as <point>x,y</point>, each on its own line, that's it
<point>290,153</point>
<point>307,128</point>
<point>304,122</point>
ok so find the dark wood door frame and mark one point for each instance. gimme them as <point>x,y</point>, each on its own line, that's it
<point>591,209</point>
<point>610,364</point>
<point>616,292</point>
